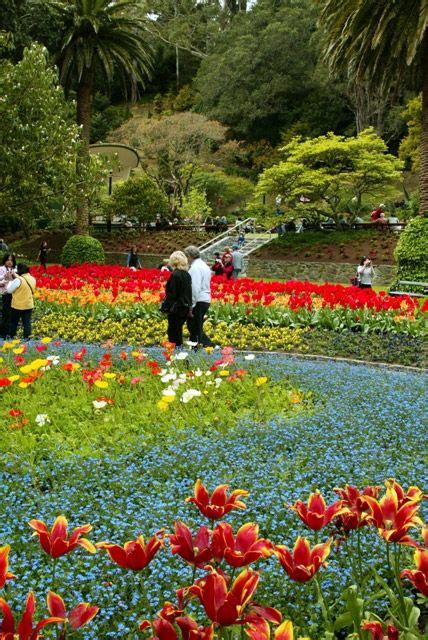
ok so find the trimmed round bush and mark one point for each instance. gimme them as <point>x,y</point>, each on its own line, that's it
<point>80,249</point>
<point>411,251</point>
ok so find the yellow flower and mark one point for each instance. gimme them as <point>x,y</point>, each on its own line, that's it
<point>224,373</point>
<point>101,384</point>
<point>23,385</point>
<point>1,359</point>
<point>260,381</point>
<point>168,399</point>
<point>109,376</point>
<point>209,349</point>
<point>18,351</point>
<point>13,378</point>
<point>46,340</point>
<point>162,405</point>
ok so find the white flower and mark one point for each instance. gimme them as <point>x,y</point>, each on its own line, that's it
<point>191,344</point>
<point>250,356</point>
<point>54,360</point>
<point>189,394</point>
<point>99,404</point>
<point>168,377</point>
<point>208,373</point>
<point>197,373</point>
<point>182,355</point>
<point>218,382</point>
<point>168,392</point>
<point>42,419</point>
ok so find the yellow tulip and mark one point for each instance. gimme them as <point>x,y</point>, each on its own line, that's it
<point>260,381</point>
<point>101,384</point>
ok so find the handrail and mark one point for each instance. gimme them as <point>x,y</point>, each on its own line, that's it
<point>224,234</point>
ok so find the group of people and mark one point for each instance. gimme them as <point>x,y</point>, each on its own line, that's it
<point>17,288</point>
<point>187,297</point>
<point>229,264</point>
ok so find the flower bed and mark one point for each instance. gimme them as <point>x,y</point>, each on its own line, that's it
<point>365,427</point>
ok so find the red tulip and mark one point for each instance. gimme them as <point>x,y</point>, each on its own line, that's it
<point>219,503</point>
<point>195,550</point>
<point>242,550</point>
<point>376,630</point>
<point>135,554</point>
<point>355,514</point>
<point>316,514</point>
<point>57,543</point>
<point>419,576</point>
<point>24,629</point>
<point>303,563</point>
<point>77,617</point>
<point>225,607</point>
<point>190,630</point>
<point>4,566</point>
<point>395,513</point>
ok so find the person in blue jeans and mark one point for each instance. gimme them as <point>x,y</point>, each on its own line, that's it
<point>237,261</point>
<point>201,297</point>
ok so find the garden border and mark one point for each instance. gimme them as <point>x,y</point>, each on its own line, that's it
<point>308,356</point>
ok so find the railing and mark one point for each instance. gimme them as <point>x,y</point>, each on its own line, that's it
<point>226,233</point>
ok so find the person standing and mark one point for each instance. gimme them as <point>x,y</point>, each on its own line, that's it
<point>43,254</point>
<point>201,296</point>
<point>22,289</point>
<point>133,260</point>
<point>365,273</point>
<point>217,267</point>
<point>7,273</point>
<point>3,245</point>
<point>237,261</point>
<point>178,297</point>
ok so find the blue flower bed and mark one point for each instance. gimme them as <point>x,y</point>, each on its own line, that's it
<point>367,426</point>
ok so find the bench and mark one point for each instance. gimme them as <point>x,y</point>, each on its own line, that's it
<point>409,283</point>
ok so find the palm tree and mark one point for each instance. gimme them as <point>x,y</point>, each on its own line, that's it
<point>378,41</point>
<point>104,37</point>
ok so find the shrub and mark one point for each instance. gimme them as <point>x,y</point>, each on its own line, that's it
<point>138,199</point>
<point>411,251</point>
<point>80,249</point>
<point>195,205</point>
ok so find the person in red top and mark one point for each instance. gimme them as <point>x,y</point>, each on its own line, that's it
<point>375,214</point>
<point>217,267</point>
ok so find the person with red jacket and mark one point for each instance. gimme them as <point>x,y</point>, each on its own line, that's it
<point>376,213</point>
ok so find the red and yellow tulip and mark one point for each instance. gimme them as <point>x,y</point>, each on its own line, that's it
<point>4,565</point>
<point>240,550</point>
<point>219,503</point>
<point>303,562</point>
<point>419,576</point>
<point>24,629</point>
<point>315,514</point>
<point>56,543</point>
<point>376,631</point>
<point>135,554</point>
<point>77,617</point>
<point>196,550</point>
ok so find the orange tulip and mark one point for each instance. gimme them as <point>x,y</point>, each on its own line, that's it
<point>4,566</point>
<point>316,514</point>
<point>77,617</point>
<point>242,549</point>
<point>56,543</point>
<point>196,549</point>
<point>355,515</point>
<point>219,503</point>
<point>24,629</point>
<point>419,576</point>
<point>303,563</point>
<point>135,554</point>
<point>395,513</point>
<point>285,631</point>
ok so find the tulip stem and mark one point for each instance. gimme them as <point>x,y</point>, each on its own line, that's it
<point>145,596</point>
<point>397,552</point>
<point>321,602</point>
<point>53,572</point>
<point>360,567</point>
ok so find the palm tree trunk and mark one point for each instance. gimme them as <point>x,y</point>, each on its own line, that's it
<point>84,98</point>
<point>423,174</point>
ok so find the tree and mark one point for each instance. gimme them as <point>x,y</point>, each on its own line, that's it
<point>39,143</point>
<point>330,170</point>
<point>138,199</point>
<point>195,205</point>
<point>262,76</point>
<point>380,42</point>
<point>410,146</point>
<point>107,36</point>
<point>172,147</point>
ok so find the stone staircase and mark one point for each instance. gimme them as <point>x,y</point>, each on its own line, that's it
<point>253,241</point>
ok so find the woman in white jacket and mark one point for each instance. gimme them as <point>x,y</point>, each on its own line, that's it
<point>365,273</point>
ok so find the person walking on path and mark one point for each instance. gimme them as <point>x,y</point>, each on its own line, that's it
<point>178,297</point>
<point>133,259</point>
<point>365,273</point>
<point>22,289</point>
<point>43,254</point>
<point>201,296</point>
<point>237,261</point>
<point>7,274</point>
<point>3,245</point>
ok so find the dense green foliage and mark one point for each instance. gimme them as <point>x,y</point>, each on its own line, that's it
<point>412,251</point>
<point>332,172</point>
<point>81,249</point>
<point>138,199</point>
<point>39,143</point>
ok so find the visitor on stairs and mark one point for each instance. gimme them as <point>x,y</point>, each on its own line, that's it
<point>201,296</point>
<point>237,261</point>
<point>22,289</point>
